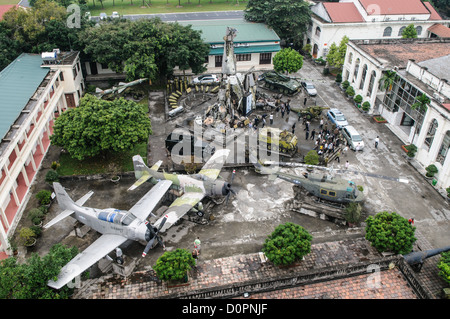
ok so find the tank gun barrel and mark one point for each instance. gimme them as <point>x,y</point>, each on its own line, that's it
<point>417,258</point>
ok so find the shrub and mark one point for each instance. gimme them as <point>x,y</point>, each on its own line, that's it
<point>36,215</point>
<point>288,242</point>
<point>55,165</point>
<point>174,265</point>
<point>52,176</point>
<point>44,197</point>
<point>350,91</point>
<point>431,170</point>
<point>412,149</point>
<point>339,78</point>
<point>366,106</point>
<point>312,158</point>
<point>353,212</point>
<point>390,232</point>
<point>345,85</point>
<point>444,266</point>
<point>27,235</point>
<point>358,99</point>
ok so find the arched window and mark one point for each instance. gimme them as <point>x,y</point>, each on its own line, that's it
<point>317,31</point>
<point>373,75</point>
<point>350,58</point>
<point>430,133</point>
<point>355,74</point>
<point>400,32</point>
<point>419,30</point>
<point>444,149</point>
<point>363,77</point>
<point>387,32</point>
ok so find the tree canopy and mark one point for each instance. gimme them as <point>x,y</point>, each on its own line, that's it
<point>174,265</point>
<point>287,60</point>
<point>390,232</point>
<point>336,54</point>
<point>29,280</point>
<point>145,48</point>
<point>99,126</point>
<point>409,32</point>
<point>288,18</point>
<point>288,242</point>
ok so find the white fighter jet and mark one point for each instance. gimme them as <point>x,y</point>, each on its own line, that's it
<point>116,227</point>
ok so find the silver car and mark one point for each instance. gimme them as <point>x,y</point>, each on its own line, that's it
<point>337,117</point>
<point>309,88</point>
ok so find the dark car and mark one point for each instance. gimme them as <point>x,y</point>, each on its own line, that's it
<point>187,144</point>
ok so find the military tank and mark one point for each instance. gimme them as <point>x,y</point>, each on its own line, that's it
<point>280,83</point>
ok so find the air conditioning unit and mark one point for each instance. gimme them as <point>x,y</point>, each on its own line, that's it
<point>438,97</point>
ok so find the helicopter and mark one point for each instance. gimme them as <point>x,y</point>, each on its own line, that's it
<point>324,186</point>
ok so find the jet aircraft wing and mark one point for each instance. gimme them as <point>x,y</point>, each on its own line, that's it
<point>179,208</point>
<point>96,251</point>
<point>148,202</point>
<point>214,165</point>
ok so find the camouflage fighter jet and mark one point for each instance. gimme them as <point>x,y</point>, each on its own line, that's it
<point>194,187</point>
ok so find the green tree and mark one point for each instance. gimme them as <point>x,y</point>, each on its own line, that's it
<point>331,55</point>
<point>388,79</point>
<point>409,32</point>
<point>288,242</point>
<point>444,266</point>
<point>422,102</point>
<point>287,60</point>
<point>174,265</point>
<point>9,47</point>
<point>312,158</point>
<point>29,280</point>
<point>99,126</point>
<point>390,232</point>
<point>288,18</point>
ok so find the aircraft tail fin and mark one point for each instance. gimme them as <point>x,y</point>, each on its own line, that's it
<point>64,200</point>
<point>142,171</point>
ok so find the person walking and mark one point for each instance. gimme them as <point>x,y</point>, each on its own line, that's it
<point>293,128</point>
<point>377,140</point>
<point>347,164</point>
<point>197,245</point>
<point>321,123</point>
<point>307,135</point>
<point>313,133</point>
<point>263,122</point>
<point>304,101</point>
<point>338,154</point>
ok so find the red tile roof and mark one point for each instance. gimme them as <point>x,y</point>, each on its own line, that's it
<point>343,12</point>
<point>447,106</point>
<point>434,14</point>
<point>4,8</point>
<point>394,7</point>
<point>440,30</point>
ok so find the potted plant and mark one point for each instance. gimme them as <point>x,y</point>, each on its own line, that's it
<point>410,150</point>
<point>27,236</point>
<point>338,78</point>
<point>431,170</point>
<point>345,85</point>
<point>353,213</point>
<point>379,119</point>
<point>44,197</point>
<point>358,99</point>
<point>52,176</point>
<point>36,216</point>
<point>350,91</point>
<point>366,106</point>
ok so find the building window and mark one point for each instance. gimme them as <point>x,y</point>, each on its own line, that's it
<point>363,77</point>
<point>75,72</point>
<point>218,61</point>
<point>419,30</point>
<point>387,32</point>
<point>350,58</point>
<point>355,73</point>
<point>400,32</point>
<point>444,149</point>
<point>318,32</point>
<point>243,57</point>
<point>431,132</point>
<point>265,58</point>
<point>373,75</point>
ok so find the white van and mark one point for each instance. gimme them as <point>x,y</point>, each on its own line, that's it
<point>353,138</point>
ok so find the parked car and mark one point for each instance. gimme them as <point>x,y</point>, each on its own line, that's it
<point>353,138</point>
<point>103,16</point>
<point>309,88</point>
<point>206,78</point>
<point>115,14</point>
<point>187,142</point>
<point>337,117</point>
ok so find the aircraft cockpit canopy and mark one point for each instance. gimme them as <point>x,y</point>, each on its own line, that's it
<point>117,217</point>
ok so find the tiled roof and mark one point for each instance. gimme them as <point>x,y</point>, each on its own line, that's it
<point>5,8</point>
<point>343,12</point>
<point>434,14</point>
<point>440,30</point>
<point>393,7</point>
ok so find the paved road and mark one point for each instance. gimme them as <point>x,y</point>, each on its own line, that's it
<point>187,16</point>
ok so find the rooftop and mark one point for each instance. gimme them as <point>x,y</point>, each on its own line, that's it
<point>440,66</point>
<point>392,7</point>
<point>343,12</point>
<point>440,30</point>
<point>397,52</point>
<point>213,31</point>
<point>4,8</point>
<point>18,83</point>
<point>434,14</point>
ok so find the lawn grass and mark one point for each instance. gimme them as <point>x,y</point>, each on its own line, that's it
<point>162,6</point>
<point>99,165</point>
<point>3,2</point>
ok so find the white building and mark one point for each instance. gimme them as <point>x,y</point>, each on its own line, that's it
<point>422,66</point>
<point>367,19</point>
<point>34,90</point>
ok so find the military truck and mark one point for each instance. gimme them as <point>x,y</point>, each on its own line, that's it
<point>280,83</point>
<point>278,140</point>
